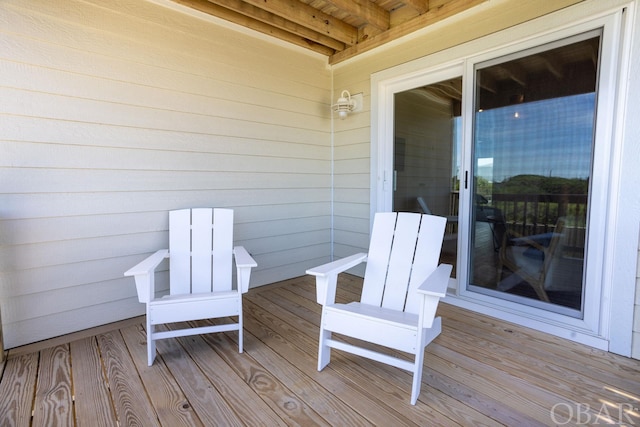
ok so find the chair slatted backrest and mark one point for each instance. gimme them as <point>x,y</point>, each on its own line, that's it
<point>200,248</point>
<point>404,250</point>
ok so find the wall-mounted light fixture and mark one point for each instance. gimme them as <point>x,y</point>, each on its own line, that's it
<point>347,104</point>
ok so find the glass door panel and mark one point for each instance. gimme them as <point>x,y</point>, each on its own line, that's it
<point>533,139</point>
<point>427,155</point>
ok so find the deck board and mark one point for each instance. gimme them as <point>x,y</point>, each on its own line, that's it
<point>17,389</point>
<point>480,372</point>
<point>172,406</point>
<point>53,400</point>
<point>246,404</point>
<point>93,404</point>
<point>202,395</point>
<point>330,392</point>
<point>128,392</point>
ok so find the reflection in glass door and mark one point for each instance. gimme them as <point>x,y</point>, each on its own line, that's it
<point>534,115</point>
<point>427,155</point>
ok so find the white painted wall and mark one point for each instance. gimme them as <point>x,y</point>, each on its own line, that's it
<point>482,30</point>
<point>113,113</point>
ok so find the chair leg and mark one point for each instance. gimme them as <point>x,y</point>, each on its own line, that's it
<point>417,375</point>
<point>151,344</point>
<point>324,351</point>
<point>240,328</point>
<point>427,336</point>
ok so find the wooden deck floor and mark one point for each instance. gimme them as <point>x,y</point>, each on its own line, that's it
<point>480,371</point>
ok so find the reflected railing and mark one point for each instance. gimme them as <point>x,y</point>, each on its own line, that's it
<point>531,246</point>
<point>531,214</point>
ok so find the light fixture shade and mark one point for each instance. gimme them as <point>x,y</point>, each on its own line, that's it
<point>344,105</point>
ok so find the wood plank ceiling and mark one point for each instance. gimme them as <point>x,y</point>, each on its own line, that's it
<point>339,29</point>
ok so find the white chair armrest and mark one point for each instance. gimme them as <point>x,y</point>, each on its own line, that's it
<point>148,264</point>
<point>244,264</point>
<point>431,290</point>
<point>327,276</point>
<point>243,259</point>
<point>437,282</point>
<point>338,266</point>
<point>144,274</point>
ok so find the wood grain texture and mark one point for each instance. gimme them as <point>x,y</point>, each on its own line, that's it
<point>479,371</point>
<point>53,397</point>
<point>17,389</point>
<point>251,368</point>
<point>93,405</point>
<point>248,406</point>
<point>172,406</point>
<point>208,403</point>
<point>129,395</point>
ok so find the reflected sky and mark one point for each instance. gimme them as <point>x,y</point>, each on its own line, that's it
<point>553,137</point>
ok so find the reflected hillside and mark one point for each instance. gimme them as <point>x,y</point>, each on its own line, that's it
<point>537,184</point>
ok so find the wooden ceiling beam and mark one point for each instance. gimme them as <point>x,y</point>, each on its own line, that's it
<point>366,10</point>
<point>367,31</point>
<point>310,17</point>
<point>420,6</point>
<point>429,18</point>
<point>269,18</point>
<point>358,25</point>
<point>245,21</point>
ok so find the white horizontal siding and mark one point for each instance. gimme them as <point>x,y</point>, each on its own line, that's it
<point>352,158</point>
<point>114,113</point>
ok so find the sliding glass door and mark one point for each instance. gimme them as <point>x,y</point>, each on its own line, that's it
<point>513,147</point>
<point>533,138</point>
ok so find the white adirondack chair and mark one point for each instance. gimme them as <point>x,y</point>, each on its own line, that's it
<point>200,276</point>
<point>402,287</point>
